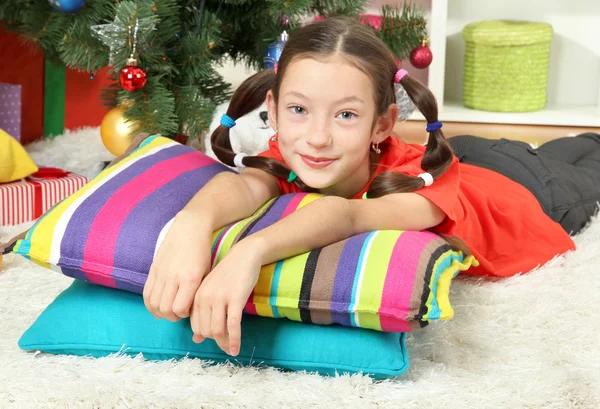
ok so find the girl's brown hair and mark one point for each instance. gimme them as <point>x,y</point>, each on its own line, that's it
<point>368,53</point>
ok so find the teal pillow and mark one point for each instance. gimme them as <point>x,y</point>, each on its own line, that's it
<point>92,320</point>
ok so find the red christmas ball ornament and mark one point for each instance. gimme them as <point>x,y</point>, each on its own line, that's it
<point>132,77</point>
<point>421,56</point>
<point>182,139</point>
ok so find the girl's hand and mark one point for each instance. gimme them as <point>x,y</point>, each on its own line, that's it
<point>181,262</point>
<point>220,300</point>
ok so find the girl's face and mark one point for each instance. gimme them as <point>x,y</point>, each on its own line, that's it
<point>326,122</point>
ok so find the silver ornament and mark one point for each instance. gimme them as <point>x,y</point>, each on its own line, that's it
<point>116,34</point>
<point>405,104</point>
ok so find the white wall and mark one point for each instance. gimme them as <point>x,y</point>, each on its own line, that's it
<point>235,74</point>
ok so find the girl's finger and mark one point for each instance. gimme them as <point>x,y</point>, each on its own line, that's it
<point>234,328</point>
<point>184,300</point>
<point>148,287</point>
<point>202,323</point>
<point>218,326</point>
<point>155,297</point>
<point>166,302</point>
<point>194,321</point>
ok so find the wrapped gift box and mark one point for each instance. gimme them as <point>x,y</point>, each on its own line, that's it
<point>28,199</point>
<point>10,109</point>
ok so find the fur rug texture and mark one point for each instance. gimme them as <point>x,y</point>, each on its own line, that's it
<point>531,341</point>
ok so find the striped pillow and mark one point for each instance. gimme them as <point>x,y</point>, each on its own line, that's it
<point>393,281</point>
<point>108,231</point>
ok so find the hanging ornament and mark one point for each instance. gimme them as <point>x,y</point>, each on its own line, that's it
<point>405,105</point>
<point>66,6</point>
<point>116,34</point>
<point>421,56</point>
<point>274,50</point>
<point>182,138</point>
<point>115,132</point>
<point>132,77</point>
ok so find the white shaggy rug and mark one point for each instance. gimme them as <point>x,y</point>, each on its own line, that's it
<point>531,341</point>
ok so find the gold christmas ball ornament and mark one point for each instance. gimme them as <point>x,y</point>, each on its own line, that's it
<point>117,134</point>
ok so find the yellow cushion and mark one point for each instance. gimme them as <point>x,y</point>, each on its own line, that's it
<point>15,163</point>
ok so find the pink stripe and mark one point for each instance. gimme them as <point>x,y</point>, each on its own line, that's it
<point>30,202</point>
<point>23,204</point>
<point>45,198</point>
<point>18,204</point>
<point>52,189</point>
<point>9,204</point>
<point>18,201</point>
<point>61,189</point>
<point>104,231</point>
<point>22,198</point>
<point>12,204</point>
<point>3,207</point>
<point>391,324</point>
<point>293,205</point>
<point>400,278</point>
<point>5,202</point>
<point>15,207</point>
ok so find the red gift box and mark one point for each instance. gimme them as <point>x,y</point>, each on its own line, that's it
<point>28,199</point>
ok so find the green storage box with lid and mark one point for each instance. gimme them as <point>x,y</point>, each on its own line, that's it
<point>506,65</point>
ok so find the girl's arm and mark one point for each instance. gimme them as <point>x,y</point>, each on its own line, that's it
<point>183,258</point>
<point>332,219</point>
<point>220,300</point>
<point>229,197</point>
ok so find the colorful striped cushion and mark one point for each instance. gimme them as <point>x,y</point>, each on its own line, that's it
<point>390,281</point>
<point>107,233</point>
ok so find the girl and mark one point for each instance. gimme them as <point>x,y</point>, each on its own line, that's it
<point>332,103</point>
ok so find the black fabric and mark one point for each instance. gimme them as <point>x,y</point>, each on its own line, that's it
<point>563,174</point>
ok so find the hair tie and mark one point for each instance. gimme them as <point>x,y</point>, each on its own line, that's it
<point>427,178</point>
<point>292,176</point>
<point>433,126</point>
<point>227,121</point>
<point>237,160</point>
<point>399,75</point>
<point>276,67</point>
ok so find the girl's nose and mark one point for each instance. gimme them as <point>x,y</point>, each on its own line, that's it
<point>319,136</point>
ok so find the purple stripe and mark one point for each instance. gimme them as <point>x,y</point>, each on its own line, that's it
<point>132,261</point>
<point>75,237</point>
<point>73,273</point>
<point>344,279</point>
<point>273,215</point>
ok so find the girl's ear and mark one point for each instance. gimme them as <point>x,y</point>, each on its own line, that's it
<point>384,126</point>
<point>272,110</point>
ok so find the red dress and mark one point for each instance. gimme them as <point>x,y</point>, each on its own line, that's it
<point>500,220</point>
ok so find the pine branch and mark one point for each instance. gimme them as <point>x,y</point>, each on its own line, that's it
<point>402,29</point>
<point>193,110</point>
<point>152,109</point>
<point>180,43</point>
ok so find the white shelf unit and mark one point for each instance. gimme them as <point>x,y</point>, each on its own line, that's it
<point>574,76</point>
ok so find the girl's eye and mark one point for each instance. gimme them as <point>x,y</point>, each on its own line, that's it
<point>347,115</point>
<point>298,110</point>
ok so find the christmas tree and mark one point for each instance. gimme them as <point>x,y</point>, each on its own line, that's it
<point>171,49</point>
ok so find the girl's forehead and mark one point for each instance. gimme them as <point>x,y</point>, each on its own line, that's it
<point>331,74</point>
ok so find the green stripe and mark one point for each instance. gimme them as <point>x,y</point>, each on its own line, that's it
<point>54,98</point>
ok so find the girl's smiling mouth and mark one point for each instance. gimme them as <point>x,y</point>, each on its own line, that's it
<point>317,163</point>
